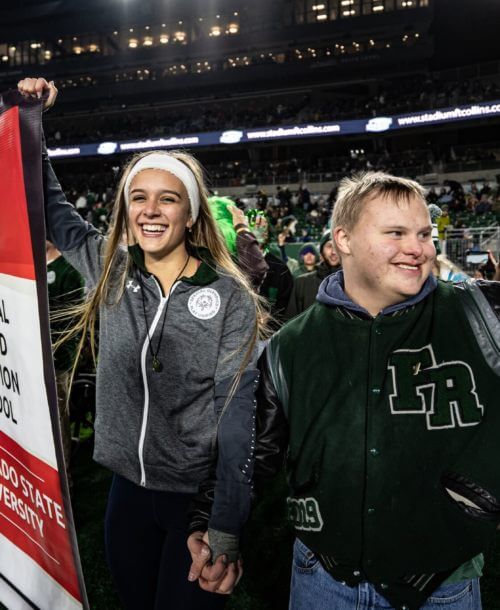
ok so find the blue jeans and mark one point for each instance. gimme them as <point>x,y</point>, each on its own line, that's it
<point>312,588</point>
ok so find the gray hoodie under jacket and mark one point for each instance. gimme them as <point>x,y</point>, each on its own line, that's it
<point>163,430</point>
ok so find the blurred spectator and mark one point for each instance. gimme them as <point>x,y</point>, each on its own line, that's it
<point>442,222</point>
<point>307,261</point>
<point>65,288</point>
<point>306,286</point>
<point>278,282</point>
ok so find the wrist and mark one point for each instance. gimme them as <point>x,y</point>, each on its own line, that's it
<point>222,543</point>
<point>241,227</point>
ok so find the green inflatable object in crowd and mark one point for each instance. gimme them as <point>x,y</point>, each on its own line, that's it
<point>224,220</point>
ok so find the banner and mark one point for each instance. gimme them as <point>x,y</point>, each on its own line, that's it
<point>479,110</point>
<point>39,561</point>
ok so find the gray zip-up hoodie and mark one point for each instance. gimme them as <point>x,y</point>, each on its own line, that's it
<point>160,429</point>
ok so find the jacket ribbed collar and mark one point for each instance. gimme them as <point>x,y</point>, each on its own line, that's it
<point>205,274</point>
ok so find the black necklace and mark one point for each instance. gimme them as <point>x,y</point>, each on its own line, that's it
<point>157,365</point>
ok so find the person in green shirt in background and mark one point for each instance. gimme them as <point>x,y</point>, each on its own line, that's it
<point>65,287</point>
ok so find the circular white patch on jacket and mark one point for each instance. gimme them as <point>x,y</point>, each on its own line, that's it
<point>204,303</point>
<point>51,277</point>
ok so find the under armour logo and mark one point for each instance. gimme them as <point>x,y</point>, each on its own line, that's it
<point>130,285</point>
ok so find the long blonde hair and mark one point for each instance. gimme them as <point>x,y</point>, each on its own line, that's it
<point>111,285</point>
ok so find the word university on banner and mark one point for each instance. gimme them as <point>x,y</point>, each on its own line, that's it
<point>39,561</point>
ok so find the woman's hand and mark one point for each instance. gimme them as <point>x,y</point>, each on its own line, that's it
<point>219,577</point>
<point>37,87</point>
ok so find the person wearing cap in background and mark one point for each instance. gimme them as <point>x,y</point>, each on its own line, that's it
<point>305,289</point>
<point>306,262</point>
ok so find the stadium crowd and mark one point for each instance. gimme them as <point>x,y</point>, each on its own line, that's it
<point>405,95</point>
<point>297,215</point>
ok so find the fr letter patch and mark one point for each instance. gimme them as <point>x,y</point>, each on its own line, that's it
<point>445,393</point>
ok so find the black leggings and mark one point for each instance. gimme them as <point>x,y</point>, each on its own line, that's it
<point>146,550</point>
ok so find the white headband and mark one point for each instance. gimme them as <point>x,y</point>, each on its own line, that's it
<point>173,166</point>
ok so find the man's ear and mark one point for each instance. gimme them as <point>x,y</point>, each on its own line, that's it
<point>342,240</point>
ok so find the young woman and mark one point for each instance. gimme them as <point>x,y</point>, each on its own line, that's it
<point>176,375</point>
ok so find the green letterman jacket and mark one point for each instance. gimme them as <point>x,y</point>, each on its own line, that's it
<point>393,454</point>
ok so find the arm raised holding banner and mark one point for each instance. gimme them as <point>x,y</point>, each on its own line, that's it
<point>176,373</point>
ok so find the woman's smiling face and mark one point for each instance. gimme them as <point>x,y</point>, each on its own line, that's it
<point>158,212</point>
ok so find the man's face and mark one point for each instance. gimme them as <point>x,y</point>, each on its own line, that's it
<point>329,254</point>
<point>388,254</point>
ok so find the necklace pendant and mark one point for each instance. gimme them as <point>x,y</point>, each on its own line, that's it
<point>157,365</point>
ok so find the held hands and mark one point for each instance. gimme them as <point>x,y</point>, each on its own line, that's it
<point>219,577</point>
<point>37,87</point>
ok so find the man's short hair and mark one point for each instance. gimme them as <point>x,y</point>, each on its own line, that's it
<point>356,190</point>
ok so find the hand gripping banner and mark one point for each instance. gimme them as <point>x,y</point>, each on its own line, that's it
<point>39,561</point>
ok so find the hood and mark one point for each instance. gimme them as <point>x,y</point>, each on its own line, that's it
<point>308,248</point>
<point>331,292</point>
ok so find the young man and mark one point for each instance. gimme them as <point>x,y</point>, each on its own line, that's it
<point>389,388</point>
